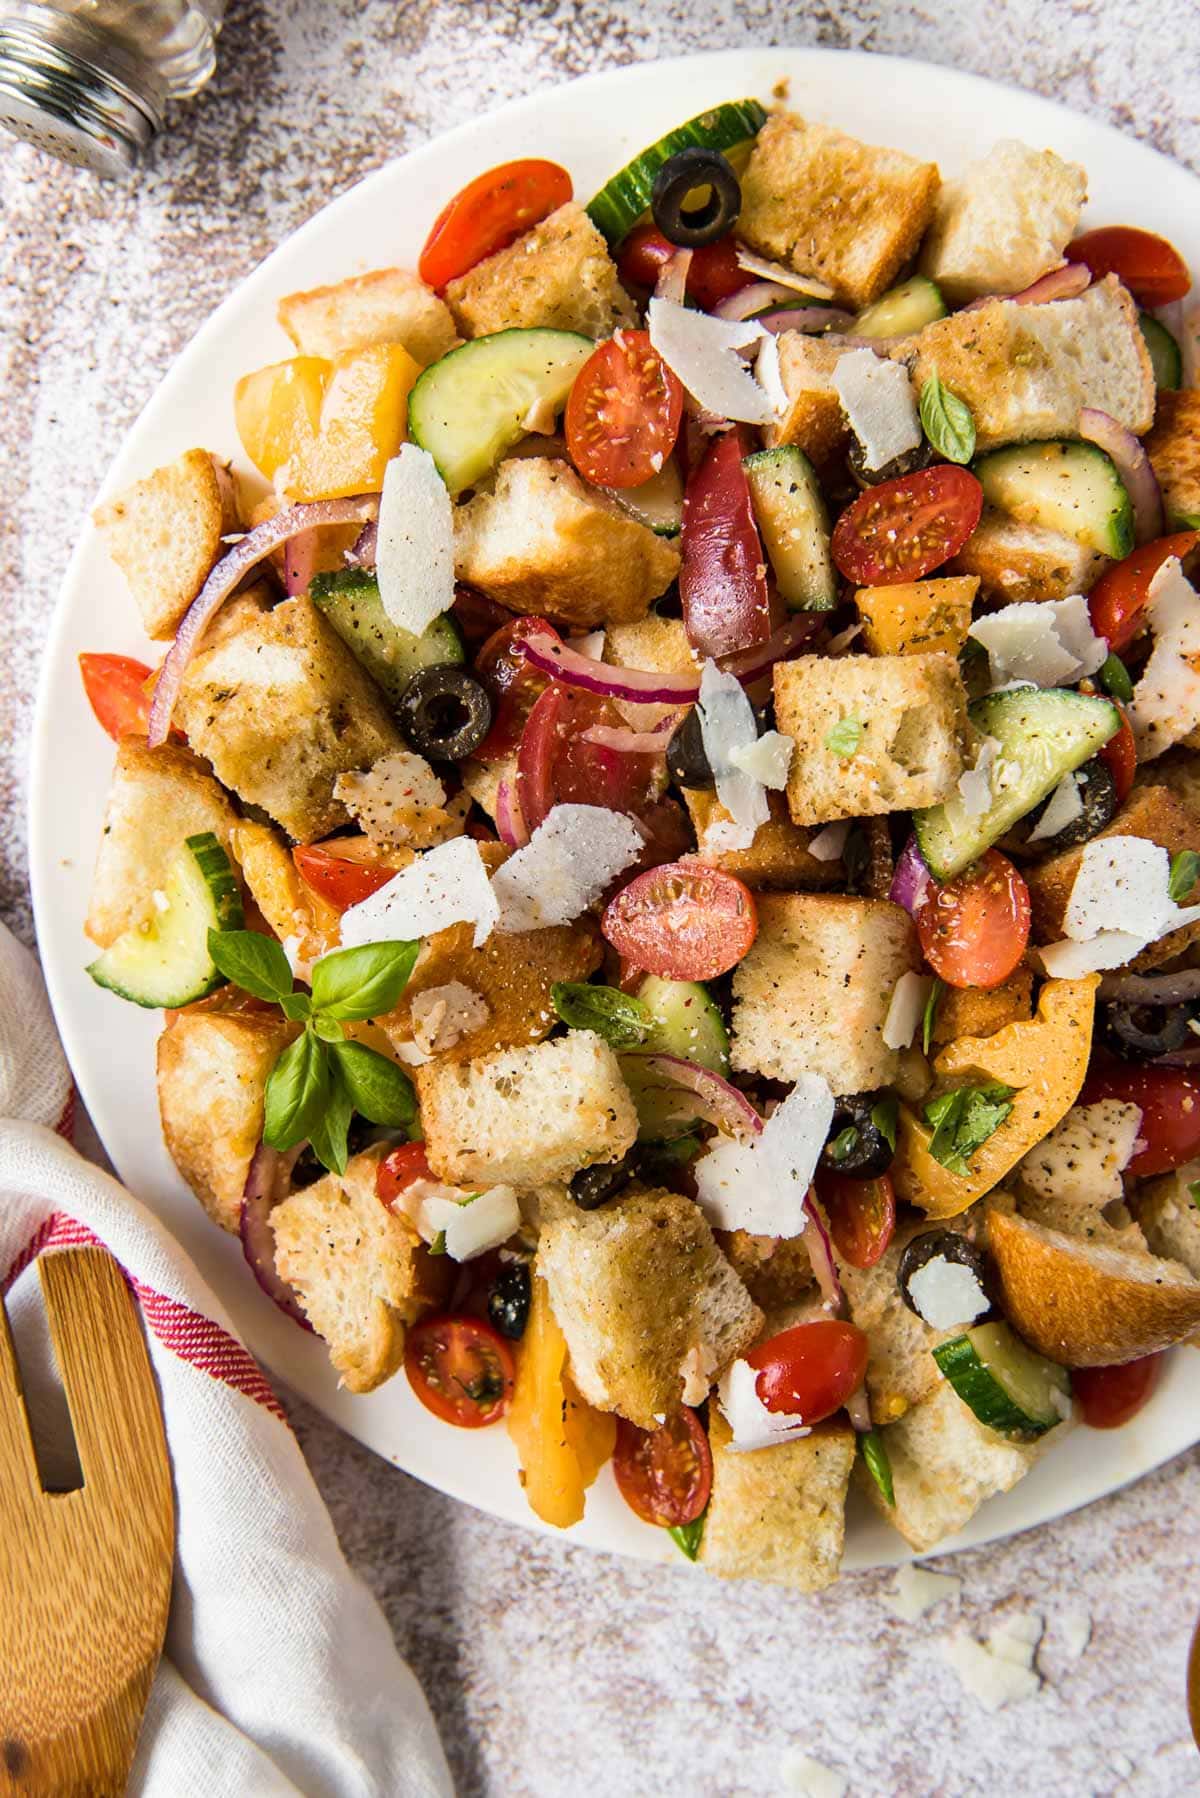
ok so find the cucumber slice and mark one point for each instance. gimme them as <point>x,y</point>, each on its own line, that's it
<point>1007,1386</point>
<point>902,310</point>
<point>657,503</point>
<point>1066,486</point>
<point>686,1022</point>
<point>1166,357</point>
<point>471,406</point>
<point>795,527</point>
<point>1042,736</point>
<point>164,961</point>
<point>621,202</point>
<point>350,600</point>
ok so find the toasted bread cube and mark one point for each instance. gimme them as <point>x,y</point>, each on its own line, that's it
<point>814,419</point>
<point>213,1068</point>
<point>981,1011</point>
<point>1174,450</point>
<point>164,534</point>
<point>899,726</point>
<point>812,993</point>
<point>643,1296</point>
<point>281,708</point>
<point>299,917</point>
<point>901,1370</point>
<point>389,305</point>
<point>546,542</point>
<point>360,1271</point>
<point>1072,1180</point>
<point>1015,561</point>
<point>775,1270</point>
<point>917,618</point>
<point>482,781</point>
<point>559,274</point>
<point>1179,771</point>
<point>846,212</point>
<point>779,855</point>
<point>526,1116</point>
<point>1025,371</point>
<point>1004,223</point>
<point>158,798</point>
<point>1170,1218</point>
<point>656,646</point>
<point>779,1513</point>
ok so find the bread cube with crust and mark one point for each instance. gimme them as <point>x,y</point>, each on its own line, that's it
<point>1004,223</point>
<point>814,419</point>
<point>812,993</point>
<point>848,213</point>
<point>644,1298</point>
<point>213,1068</point>
<point>559,274</point>
<point>281,708</point>
<point>1170,1217</point>
<point>780,855</point>
<point>981,1011</point>
<point>388,305</point>
<point>776,1271</point>
<point>655,645</point>
<point>873,734</point>
<point>158,798</point>
<point>1014,561</point>
<point>164,533</point>
<point>779,1513</point>
<point>1174,450</point>
<point>912,618</point>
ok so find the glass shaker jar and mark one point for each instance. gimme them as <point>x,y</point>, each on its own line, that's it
<point>88,79</point>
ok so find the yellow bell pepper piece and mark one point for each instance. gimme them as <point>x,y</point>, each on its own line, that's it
<point>324,429</point>
<point>917,617</point>
<point>1043,1058</point>
<point>561,1442</point>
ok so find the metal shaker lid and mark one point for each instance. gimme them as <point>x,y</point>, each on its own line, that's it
<point>69,89</point>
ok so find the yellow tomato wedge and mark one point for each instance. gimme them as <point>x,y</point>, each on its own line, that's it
<point>561,1442</point>
<point>325,429</point>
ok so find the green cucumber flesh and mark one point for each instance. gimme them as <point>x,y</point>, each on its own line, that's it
<point>1009,1388</point>
<point>657,503</point>
<point>622,200</point>
<point>164,962</point>
<point>1070,486</point>
<point>1166,357</point>
<point>903,310</point>
<point>1043,734</point>
<point>685,1021</point>
<point>349,599</point>
<point>794,523</point>
<point>470,407</point>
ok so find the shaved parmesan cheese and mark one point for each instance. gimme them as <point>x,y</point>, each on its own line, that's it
<point>947,1294</point>
<point>767,759</point>
<point>1166,700</point>
<point>909,999</point>
<point>399,801</point>
<point>696,1371</point>
<point>572,856</point>
<point>1075,1629</point>
<point>727,725</point>
<point>1062,808</point>
<point>915,1590</point>
<point>975,785</point>
<point>469,1223</point>
<point>877,398</point>
<point>415,547</point>
<point>760,1184</point>
<point>443,1015</point>
<point>702,352</point>
<point>591,644</point>
<point>1015,1638</point>
<point>1048,643</point>
<point>752,1424</point>
<point>447,885</point>
<point>1123,885</point>
<point>988,1676</point>
<point>786,277</point>
<point>1067,960</point>
<point>828,844</point>
<point>767,374</point>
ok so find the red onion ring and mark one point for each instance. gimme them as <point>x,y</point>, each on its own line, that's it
<point>752,298</point>
<point>363,552</point>
<point>1151,989</point>
<point>510,825</point>
<point>1066,282</point>
<point>749,664</point>
<point>717,1101</point>
<point>672,277</point>
<point>632,742</point>
<point>228,573</point>
<point>648,687</point>
<point>1133,466</point>
<point>809,320</point>
<point>299,562</point>
<point>820,1252</point>
<point>858,1410</point>
<point>268,1181</point>
<point>1182,1058</point>
<point>911,879</point>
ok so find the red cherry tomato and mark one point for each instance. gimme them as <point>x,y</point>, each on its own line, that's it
<point>116,691</point>
<point>973,930</point>
<point>489,213</point>
<point>665,1475</point>
<point>477,616</point>
<point>461,1369</point>
<point>397,1171</point>
<point>903,529</point>
<point>1116,602</point>
<point>557,765</point>
<point>861,1213</point>
<point>723,577</point>
<point>1151,268</point>
<point>714,273</point>
<point>1170,1105</point>
<point>624,411</point>
<point>1110,1396</point>
<point>513,684</point>
<point>682,921</point>
<point>1119,755</point>
<point>339,879</point>
<point>810,1370</point>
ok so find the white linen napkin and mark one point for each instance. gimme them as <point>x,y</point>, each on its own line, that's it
<point>279,1673</point>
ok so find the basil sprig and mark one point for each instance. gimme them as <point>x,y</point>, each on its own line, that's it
<point>962,1121</point>
<point>621,1020</point>
<point>1185,869</point>
<point>946,420</point>
<point>1114,678</point>
<point>931,1009</point>
<point>322,1079</point>
<point>878,1461</point>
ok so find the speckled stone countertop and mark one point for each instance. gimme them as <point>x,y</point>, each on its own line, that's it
<point>553,1671</point>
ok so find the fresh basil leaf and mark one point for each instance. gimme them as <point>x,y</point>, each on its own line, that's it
<point>1185,869</point>
<point>329,1137</point>
<point>438,1245</point>
<point>843,1144</point>
<point>844,738</point>
<point>879,1466</point>
<point>686,1536</point>
<point>1114,678</point>
<point>931,1006</point>
<point>946,421</point>
<point>252,961</point>
<point>354,984</point>
<point>297,1006</point>
<point>296,1094</point>
<point>886,1118</point>
<point>962,1121</point>
<point>621,1020</point>
<point>328,1029</point>
<point>378,1089</point>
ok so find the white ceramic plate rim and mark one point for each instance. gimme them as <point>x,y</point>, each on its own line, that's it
<point>913,106</point>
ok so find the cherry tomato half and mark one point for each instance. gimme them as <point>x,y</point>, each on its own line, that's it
<point>557,765</point>
<point>489,213</point>
<point>723,576</point>
<point>1116,602</point>
<point>1110,1396</point>
<point>903,529</point>
<point>861,1213</point>
<point>341,880</point>
<point>116,691</point>
<point>810,1370</point>
<point>461,1369</point>
<point>624,412</point>
<point>664,1475</point>
<point>973,930</point>
<point>513,684</point>
<point>1119,755</point>
<point>682,921</point>
<point>1151,268</point>
<point>1170,1105</point>
<point>714,273</point>
<point>397,1171</point>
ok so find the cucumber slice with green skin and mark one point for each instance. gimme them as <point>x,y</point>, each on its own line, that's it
<point>621,202</point>
<point>902,310</point>
<point>471,406</point>
<point>1070,487</point>
<point>794,523</point>
<point>1166,357</point>
<point>657,503</point>
<point>350,601</point>
<point>1042,736</point>
<point>685,1021</point>
<point>164,962</point>
<point>1008,1387</point>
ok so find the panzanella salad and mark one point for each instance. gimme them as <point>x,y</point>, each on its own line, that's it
<point>666,828</point>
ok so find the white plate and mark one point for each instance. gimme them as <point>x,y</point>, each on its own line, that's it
<point>592,126</point>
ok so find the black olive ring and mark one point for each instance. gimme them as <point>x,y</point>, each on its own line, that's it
<point>691,227</point>
<point>863,1150</point>
<point>444,712</point>
<point>1144,1032</point>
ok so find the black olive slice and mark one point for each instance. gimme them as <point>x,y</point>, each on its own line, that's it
<point>509,1298</point>
<point>444,712</point>
<point>1143,1032</point>
<point>856,1145</point>
<point>691,227</point>
<point>938,1245</point>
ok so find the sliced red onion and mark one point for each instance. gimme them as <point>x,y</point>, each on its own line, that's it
<point>753,298</point>
<point>299,562</point>
<point>1063,283</point>
<point>267,1183</point>
<point>749,664</point>
<point>229,572</point>
<point>784,276</point>
<point>820,1253</point>
<point>1152,989</point>
<point>807,319</point>
<point>672,277</point>
<point>363,554</point>
<point>510,825</point>
<point>632,742</point>
<point>1133,466</point>
<point>565,664</point>
<point>717,1101</point>
<point>1182,1058</point>
<point>911,879</point>
<point>858,1410</point>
